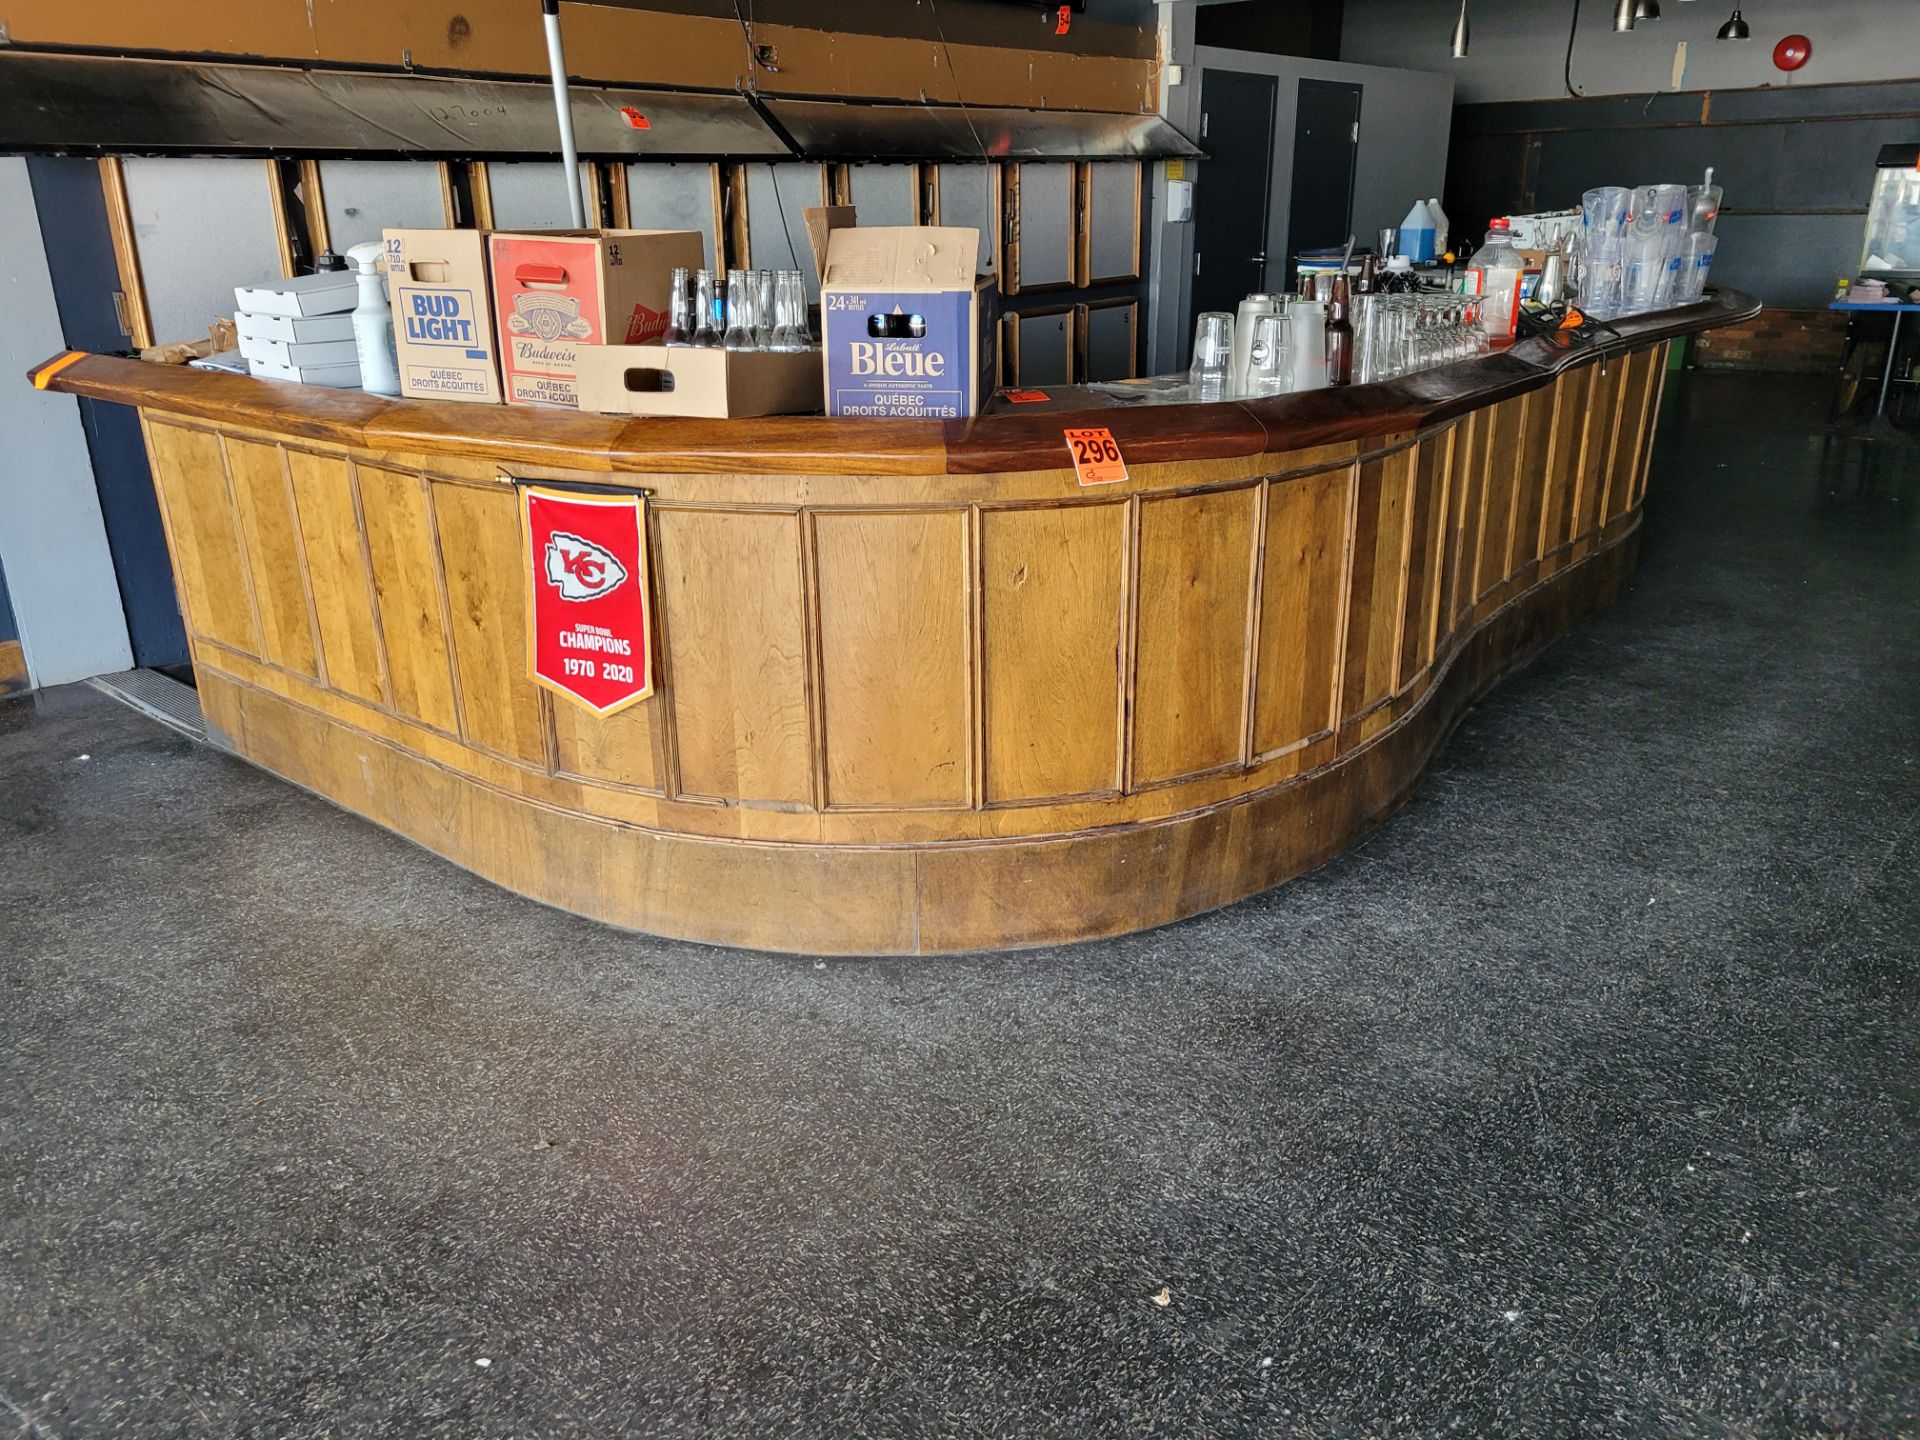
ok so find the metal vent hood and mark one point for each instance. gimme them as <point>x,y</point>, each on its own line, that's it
<point>112,105</point>
<point>870,130</point>
<point>116,105</point>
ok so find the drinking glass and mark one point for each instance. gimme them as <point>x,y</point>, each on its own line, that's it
<point>1211,372</point>
<point>1270,357</point>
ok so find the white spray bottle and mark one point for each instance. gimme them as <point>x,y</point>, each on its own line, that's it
<point>373,322</point>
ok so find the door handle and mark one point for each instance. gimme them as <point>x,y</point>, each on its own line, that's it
<point>1259,259</point>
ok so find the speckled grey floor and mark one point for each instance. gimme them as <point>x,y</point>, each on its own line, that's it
<point>1581,1101</point>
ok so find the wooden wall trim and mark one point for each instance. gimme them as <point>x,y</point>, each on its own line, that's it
<point>126,253</point>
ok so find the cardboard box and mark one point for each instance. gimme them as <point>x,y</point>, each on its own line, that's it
<point>301,352</point>
<point>330,293</point>
<point>906,321</point>
<point>442,314</point>
<point>712,384</point>
<point>557,291</point>
<point>337,377</point>
<point>293,329</point>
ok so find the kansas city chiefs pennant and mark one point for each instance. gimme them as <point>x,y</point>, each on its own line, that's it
<point>587,579</point>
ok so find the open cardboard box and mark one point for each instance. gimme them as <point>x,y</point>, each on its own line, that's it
<point>704,384</point>
<point>906,320</point>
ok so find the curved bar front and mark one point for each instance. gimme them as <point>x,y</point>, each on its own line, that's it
<point>919,691</point>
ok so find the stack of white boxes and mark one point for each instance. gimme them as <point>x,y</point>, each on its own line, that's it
<point>301,329</point>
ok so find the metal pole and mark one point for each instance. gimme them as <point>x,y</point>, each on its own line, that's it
<point>563,112</point>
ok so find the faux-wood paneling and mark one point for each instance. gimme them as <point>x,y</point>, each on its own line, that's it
<point>480,546</point>
<point>1603,424</point>
<point>730,595</point>
<point>1569,426</point>
<point>623,749</point>
<point>1196,572</point>
<point>337,572</point>
<point>213,575</point>
<point>406,579</point>
<point>1052,586</point>
<point>894,652</point>
<point>265,502</point>
<point>1376,589</point>
<point>1301,594</point>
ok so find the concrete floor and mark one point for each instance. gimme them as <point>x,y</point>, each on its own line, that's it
<point>1581,1100</point>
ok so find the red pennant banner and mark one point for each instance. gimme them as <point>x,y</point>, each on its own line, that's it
<point>587,587</point>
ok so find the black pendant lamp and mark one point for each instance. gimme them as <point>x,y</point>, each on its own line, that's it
<point>1646,10</point>
<point>1460,33</point>
<point>1623,14</point>
<point>1735,28</point>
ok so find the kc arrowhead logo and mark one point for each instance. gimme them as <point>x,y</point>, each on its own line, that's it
<point>580,569</point>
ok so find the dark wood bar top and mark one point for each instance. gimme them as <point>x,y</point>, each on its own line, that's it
<point>815,444</point>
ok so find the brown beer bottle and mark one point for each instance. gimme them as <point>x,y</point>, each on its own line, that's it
<point>1339,334</point>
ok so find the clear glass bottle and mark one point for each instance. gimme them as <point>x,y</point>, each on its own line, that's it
<point>766,308</point>
<point>706,333</point>
<point>796,286</point>
<point>739,334</point>
<point>679,329</point>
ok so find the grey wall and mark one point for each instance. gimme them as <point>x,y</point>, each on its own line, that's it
<point>1797,166</point>
<point>53,543</point>
<point>1404,128</point>
<point>1519,46</point>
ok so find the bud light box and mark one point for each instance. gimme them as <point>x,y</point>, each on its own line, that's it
<point>558,290</point>
<point>905,322</point>
<point>442,314</point>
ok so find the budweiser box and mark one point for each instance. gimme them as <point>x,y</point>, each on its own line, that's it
<point>710,384</point>
<point>442,314</point>
<point>556,291</point>
<point>906,325</point>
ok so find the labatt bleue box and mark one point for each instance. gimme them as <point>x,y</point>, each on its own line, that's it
<point>556,291</point>
<point>442,314</point>
<point>906,324</point>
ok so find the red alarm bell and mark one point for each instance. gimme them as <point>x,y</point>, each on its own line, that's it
<point>1792,52</point>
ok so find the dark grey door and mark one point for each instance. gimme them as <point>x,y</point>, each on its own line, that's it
<point>1231,200</point>
<point>1326,137</point>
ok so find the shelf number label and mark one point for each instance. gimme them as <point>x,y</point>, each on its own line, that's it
<point>1096,456</point>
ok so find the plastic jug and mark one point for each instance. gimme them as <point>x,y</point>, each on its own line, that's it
<point>1416,233</point>
<point>373,322</point>
<point>1495,273</point>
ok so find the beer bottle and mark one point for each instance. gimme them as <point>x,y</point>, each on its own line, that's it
<point>1340,334</point>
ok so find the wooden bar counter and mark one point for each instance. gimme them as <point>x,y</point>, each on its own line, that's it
<point>919,691</point>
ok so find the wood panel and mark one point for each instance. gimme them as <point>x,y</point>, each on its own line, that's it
<point>1466,489</point>
<point>406,582</point>
<point>621,749</point>
<point>894,657</point>
<point>1636,404</point>
<point>1503,461</point>
<point>1196,576</point>
<point>337,575</point>
<point>1376,591</point>
<point>1536,455</point>
<point>275,555</point>
<point>1053,586</point>
<point>486,574</point>
<point>1427,508</point>
<point>1569,430</point>
<point>1302,601</point>
<point>1603,423</point>
<point>730,595</point>
<point>208,558</point>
